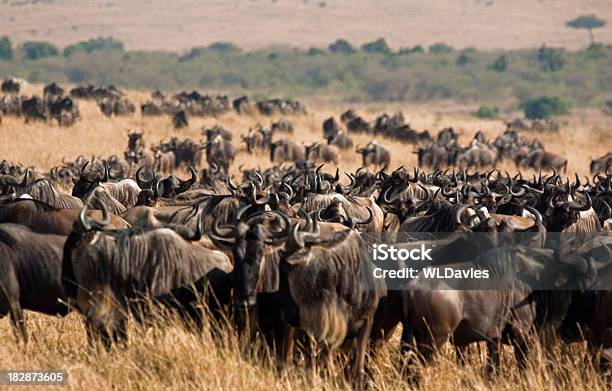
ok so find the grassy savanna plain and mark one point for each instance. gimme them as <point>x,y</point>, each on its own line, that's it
<point>166,355</point>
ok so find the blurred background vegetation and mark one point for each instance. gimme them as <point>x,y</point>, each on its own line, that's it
<point>372,72</point>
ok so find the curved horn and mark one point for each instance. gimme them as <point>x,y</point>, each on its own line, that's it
<point>84,220</point>
<point>581,207</point>
<point>353,223</point>
<point>460,211</point>
<point>536,213</point>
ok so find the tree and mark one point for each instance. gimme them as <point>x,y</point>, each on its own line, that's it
<point>486,112</point>
<point>34,50</point>
<point>544,107</point>
<point>587,22</point>
<point>378,46</point>
<point>94,44</point>
<point>315,52</point>
<point>438,48</point>
<point>6,49</point>
<point>550,58</point>
<point>500,64</point>
<point>224,47</point>
<point>341,46</point>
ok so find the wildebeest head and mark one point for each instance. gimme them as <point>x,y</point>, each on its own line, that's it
<point>563,211</point>
<point>89,180</point>
<point>255,243</point>
<point>10,185</point>
<point>173,186</point>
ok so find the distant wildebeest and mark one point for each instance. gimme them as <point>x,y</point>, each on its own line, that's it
<point>33,109</point>
<point>603,164</point>
<point>180,120</point>
<point>285,151</point>
<point>11,86</point>
<point>282,126</point>
<point>374,154</point>
<point>322,153</point>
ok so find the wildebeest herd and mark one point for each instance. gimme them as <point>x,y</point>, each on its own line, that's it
<point>282,251</point>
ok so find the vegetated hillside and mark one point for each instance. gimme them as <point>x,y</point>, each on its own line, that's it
<point>181,24</point>
<point>438,72</point>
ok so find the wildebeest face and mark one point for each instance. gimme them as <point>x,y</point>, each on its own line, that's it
<point>82,187</point>
<point>248,254</point>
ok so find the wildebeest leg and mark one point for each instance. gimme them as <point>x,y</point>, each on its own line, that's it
<point>362,344</point>
<point>18,321</point>
<point>493,358</point>
<point>521,349</point>
<point>287,345</point>
<point>461,354</point>
<point>605,359</point>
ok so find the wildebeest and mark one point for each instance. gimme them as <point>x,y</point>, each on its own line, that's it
<point>45,219</point>
<point>11,86</point>
<point>374,154</point>
<point>603,164</point>
<point>33,109</point>
<point>30,275</point>
<point>285,151</point>
<point>106,274</point>
<point>317,279</point>
<point>322,153</point>
<point>180,120</point>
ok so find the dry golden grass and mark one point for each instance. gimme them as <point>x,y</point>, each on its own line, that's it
<point>181,24</point>
<point>170,357</point>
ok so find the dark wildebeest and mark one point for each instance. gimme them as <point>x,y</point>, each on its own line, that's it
<point>30,275</point>
<point>340,140</point>
<point>45,219</point>
<point>221,152</point>
<point>65,111</point>
<point>243,106</point>
<point>33,109</point>
<point>314,279</point>
<point>11,86</point>
<point>180,120</point>
<point>374,154</point>
<point>603,164</point>
<point>542,159</point>
<point>322,153</point>
<point>282,126</point>
<point>107,274</point>
<point>285,151</point>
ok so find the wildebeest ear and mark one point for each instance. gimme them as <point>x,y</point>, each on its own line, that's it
<point>299,258</point>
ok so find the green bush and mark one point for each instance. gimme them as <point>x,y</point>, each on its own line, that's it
<point>315,52</point>
<point>439,48</point>
<point>341,46</point>
<point>35,50</point>
<point>379,46</point>
<point>224,47</point>
<point>500,64</point>
<point>544,107</point>
<point>6,49</point>
<point>192,54</point>
<point>463,59</point>
<point>92,45</point>
<point>609,104</point>
<point>551,59</point>
<point>487,112</point>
